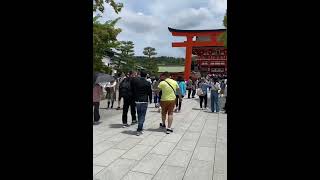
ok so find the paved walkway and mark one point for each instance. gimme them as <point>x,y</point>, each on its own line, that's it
<point>196,150</point>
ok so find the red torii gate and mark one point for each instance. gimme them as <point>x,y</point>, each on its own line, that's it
<point>212,33</point>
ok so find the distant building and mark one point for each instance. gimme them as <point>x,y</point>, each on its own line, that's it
<point>210,60</point>
<point>174,70</point>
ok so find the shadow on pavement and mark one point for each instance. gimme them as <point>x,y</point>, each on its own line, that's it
<point>97,123</point>
<point>115,125</point>
<point>196,109</point>
<point>130,132</point>
<point>197,99</point>
<point>156,130</point>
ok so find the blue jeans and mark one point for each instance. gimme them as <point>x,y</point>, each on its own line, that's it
<point>141,110</point>
<point>156,99</point>
<point>215,101</point>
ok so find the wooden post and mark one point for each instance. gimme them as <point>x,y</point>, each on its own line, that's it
<point>187,67</point>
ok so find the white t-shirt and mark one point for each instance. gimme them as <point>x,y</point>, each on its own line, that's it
<point>216,87</point>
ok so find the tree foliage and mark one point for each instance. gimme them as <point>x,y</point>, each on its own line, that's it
<point>125,53</point>
<point>150,66</point>
<point>104,35</point>
<point>104,40</point>
<point>99,5</point>
<point>162,60</point>
<point>126,48</point>
<point>149,51</point>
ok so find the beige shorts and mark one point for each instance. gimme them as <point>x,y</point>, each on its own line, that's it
<point>167,107</point>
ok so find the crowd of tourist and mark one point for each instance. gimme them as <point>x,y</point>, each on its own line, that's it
<point>137,90</point>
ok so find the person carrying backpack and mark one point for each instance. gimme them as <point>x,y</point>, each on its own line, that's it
<point>202,92</point>
<point>125,91</point>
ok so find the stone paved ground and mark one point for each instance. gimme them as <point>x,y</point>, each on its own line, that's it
<point>197,149</point>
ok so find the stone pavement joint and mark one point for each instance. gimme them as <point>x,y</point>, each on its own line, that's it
<point>197,148</point>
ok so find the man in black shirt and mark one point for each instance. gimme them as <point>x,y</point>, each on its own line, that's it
<point>142,94</point>
<point>125,91</point>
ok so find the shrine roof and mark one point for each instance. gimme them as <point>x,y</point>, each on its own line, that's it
<point>203,30</point>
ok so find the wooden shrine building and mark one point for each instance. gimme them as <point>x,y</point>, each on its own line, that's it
<point>211,55</point>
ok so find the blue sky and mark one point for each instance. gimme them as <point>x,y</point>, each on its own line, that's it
<point>146,22</point>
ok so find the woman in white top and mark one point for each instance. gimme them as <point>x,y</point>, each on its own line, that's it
<point>111,93</point>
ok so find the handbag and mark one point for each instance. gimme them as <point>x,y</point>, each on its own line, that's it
<point>199,92</point>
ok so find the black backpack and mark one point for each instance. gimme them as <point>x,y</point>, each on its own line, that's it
<point>125,88</point>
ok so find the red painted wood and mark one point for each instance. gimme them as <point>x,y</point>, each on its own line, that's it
<point>196,44</point>
<point>204,54</point>
<point>187,67</point>
<point>195,33</point>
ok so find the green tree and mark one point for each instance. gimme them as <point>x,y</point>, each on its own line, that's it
<point>104,40</point>
<point>125,53</point>
<point>151,65</point>
<point>99,5</point>
<point>149,51</point>
<point>126,48</point>
<point>104,35</point>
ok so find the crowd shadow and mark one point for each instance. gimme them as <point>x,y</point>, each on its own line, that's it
<point>156,130</point>
<point>196,108</point>
<point>115,125</point>
<point>197,99</point>
<point>129,132</point>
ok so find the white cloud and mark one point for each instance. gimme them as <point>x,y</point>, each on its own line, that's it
<point>218,6</point>
<point>146,23</point>
<point>192,18</point>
